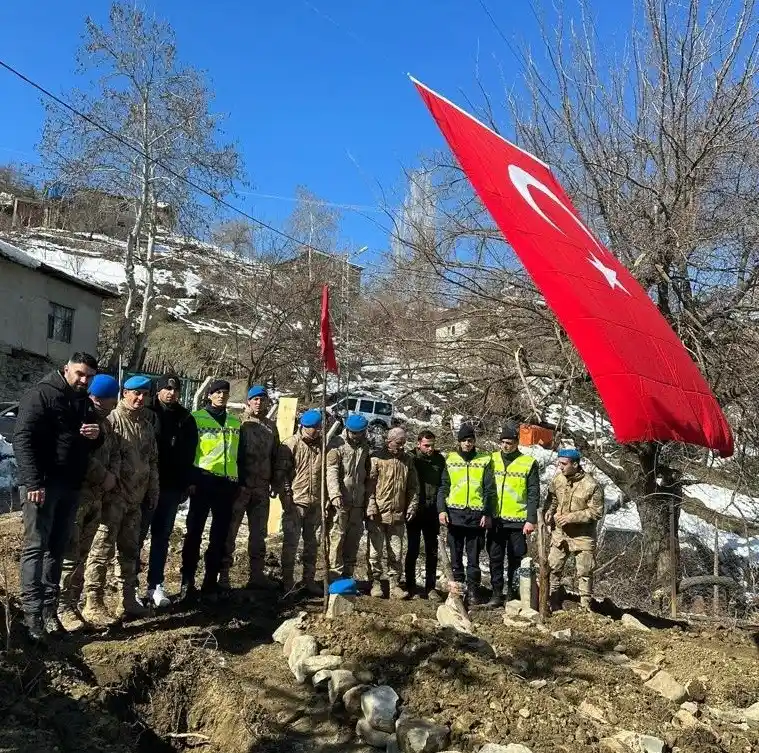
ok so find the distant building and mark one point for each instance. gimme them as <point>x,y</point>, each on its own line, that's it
<point>334,270</point>
<point>45,315</point>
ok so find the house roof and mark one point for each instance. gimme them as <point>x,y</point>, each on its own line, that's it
<point>18,256</point>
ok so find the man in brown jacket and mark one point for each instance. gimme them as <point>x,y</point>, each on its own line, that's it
<point>574,506</point>
<point>347,474</point>
<point>260,480</point>
<point>393,500</point>
<point>301,501</point>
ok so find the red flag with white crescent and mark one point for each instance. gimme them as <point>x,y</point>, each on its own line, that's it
<point>648,382</point>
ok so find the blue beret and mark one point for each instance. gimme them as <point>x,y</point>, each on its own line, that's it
<point>104,386</point>
<point>356,422</point>
<point>311,419</point>
<point>570,453</point>
<point>137,382</point>
<point>257,391</point>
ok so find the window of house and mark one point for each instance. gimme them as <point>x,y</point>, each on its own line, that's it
<point>60,320</point>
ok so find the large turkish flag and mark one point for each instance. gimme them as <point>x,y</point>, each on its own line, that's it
<point>651,388</point>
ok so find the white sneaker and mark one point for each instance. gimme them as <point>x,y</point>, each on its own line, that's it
<point>158,596</point>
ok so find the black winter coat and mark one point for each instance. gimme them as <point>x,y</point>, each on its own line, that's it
<point>177,443</point>
<point>46,441</point>
<point>429,469</point>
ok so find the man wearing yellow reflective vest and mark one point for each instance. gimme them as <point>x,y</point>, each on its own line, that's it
<point>517,481</point>
<point>466,502</point>
<point>214,489</point>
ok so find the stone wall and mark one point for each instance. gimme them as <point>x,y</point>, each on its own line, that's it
<point>19,370</point>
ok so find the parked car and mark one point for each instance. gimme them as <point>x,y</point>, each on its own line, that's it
<point>8,413</point>
<point>376,411</point>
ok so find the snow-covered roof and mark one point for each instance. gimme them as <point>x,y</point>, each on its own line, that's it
<point>18,256</point>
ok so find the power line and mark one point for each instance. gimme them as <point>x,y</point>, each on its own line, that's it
<point>111,134</point>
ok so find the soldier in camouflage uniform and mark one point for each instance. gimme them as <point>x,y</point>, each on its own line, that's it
<point>301,501</point>
<point>347,474</point>
<point>119,530</point>
<point>574,506</point>
<point>260,480</point>
<point>102,473</point>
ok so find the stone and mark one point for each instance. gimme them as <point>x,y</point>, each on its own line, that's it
<point>634,623</point>
<point>352,700</point>
<point>733,716</point>
<point>690,707</point>
<point>308,667</point>
<point>685,719</point>
<point>590,711</point>
<point>288,645</point>
<point>364,676</point>
<point>666,685</point>
<point>659,658</point>
<point>620,648</point>
<point>282,633</point>
<point>695,690</point>
<point>379,706</point>
<point>639,743</point>
<point>614,657</point>
<point>751,715</point>
<point>612,745</point>
<point>321,678</point>
<point>421,736</point>
<point>538,684</point>
<point>340,682</point>
<point>303,647</point>
<point>339,606</point>
<point>447,616</point>
<point>517,624</point>
<point>510,748</point>
<point>374,737</point>
<point>644,669</point>
<point>513,608</point>
<point>563,635</point>
<point>524,713</point>
<point>392,745</point>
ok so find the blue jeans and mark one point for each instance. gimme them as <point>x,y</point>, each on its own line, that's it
<point>160,523</point>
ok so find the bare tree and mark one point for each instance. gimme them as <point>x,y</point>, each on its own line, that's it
<point>158,131</point>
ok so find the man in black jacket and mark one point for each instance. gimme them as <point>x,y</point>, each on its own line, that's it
<point>56,431</point>
<point>430,465</point>
<point>177,442</point>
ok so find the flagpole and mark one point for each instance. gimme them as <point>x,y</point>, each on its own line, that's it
<point>325,537</point>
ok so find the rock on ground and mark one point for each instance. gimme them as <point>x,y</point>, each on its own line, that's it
<point>379,706</point>
<point>751,715</point>
<point>321,677</point>
<point>374,737</point>
<point>510,748</point>
<point>421,736</point>
<point>352,699</point>
<point>303,647</point>
<point>590,711</point>
<point>448,616</point>
<point>340,683</point>
<point>563,635</point>
<point>634,623</point>
<point>309,666</point>
<point>287,648</point>
<point>643,669</point>
<point>282,633</point>
<point>339,605</point>
<point>633,741</point>
<point>666,685</point>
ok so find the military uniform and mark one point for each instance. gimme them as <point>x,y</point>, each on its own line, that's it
<point>580,498</point>
<point>394,498</point>
<point>119,529</point>
<point>259,478</point>
<point>347,474</point>
<point>301,506</point>
<point>103,463</point>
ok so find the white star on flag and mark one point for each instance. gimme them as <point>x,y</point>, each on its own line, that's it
<point>609,274</point>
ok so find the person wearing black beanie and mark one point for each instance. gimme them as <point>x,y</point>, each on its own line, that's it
<point>466,502</point>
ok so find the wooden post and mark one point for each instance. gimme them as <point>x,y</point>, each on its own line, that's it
<point>324,500</point>
<point>672,557</point>
<point>544,579</point>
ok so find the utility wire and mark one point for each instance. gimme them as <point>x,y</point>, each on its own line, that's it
<point>115,136</point>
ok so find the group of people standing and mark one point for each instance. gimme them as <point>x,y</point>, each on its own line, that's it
<point>101,465</point>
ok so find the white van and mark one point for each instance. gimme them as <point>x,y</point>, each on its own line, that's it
<point>375,410</point>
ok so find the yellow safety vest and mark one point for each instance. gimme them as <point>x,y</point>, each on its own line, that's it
<point>511,483</point>
<point>217,445</point>
<point>466,480</point>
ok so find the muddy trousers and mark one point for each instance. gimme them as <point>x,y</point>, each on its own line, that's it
<point>300,521</point>
<point>585,562</point>
<point>346,527</point>
<point>385,550</point>
<point>88,519</point>
<point>117,535</point>
<point>253,504</point>
<point>463,539</point>
<point>213,496</point>
<point>160,523</point>
<point>47,529</point>
<point>424,525</point>
<point>504,546</point>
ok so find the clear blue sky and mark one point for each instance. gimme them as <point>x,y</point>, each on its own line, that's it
<point>310,102</point>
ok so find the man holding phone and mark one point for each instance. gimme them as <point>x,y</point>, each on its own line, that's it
<point>56,431</point>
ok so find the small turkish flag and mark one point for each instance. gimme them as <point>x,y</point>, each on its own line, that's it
<point>645,377</point>
<point>327,346</point>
